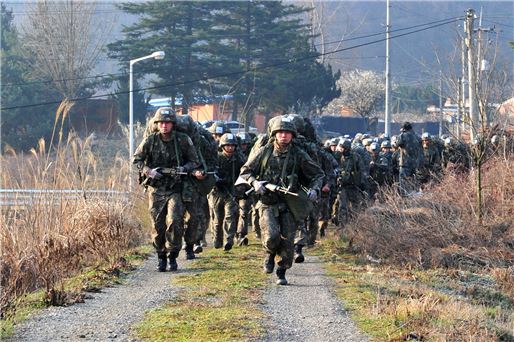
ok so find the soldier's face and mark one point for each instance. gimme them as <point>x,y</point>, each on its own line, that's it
<point>284,137</point>
<point>165,127</point>
<point>229,149</point>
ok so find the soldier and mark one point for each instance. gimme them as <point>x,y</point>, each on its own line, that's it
<point>431,165</point>
<point>377,170</point>
<point>245,201</point>
<point>411,155</point>
<point>280,163</point>
<point>222,199</point>
<point>217,129</point>
<point>349,196</point>
<point>386,159</point>
<point>456,155</point>
<point>172,150</point>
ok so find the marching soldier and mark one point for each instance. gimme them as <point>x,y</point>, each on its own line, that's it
<point>280,164</point>
<point>172,150</point>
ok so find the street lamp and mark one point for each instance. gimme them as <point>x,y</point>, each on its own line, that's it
<point>156,55</point>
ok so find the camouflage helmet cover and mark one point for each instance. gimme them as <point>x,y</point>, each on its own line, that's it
<point>218,127</point>
<point>228,139</point>
<point>425,136</point>
<point>284,124</point>
<point>386,144</point>
<point>345,144</point>
<point>165,114</point>
<point>375,147</point>
<point>245,137</point>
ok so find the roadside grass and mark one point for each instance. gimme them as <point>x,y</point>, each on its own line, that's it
<point>92,279</point>
<point>220,299</point>
<point>394,303</point>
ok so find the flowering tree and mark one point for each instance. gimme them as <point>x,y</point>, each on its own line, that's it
<point>362,91</point>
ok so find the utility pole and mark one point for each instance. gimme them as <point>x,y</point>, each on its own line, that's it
<point>473,115</point>
<point>464,116</point>
<point>387,119</point>
<point>440,103</point>
<point>459,107</point>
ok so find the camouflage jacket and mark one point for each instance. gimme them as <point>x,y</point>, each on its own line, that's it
<point>154,152</point>
<point>350,167</point>
<point>411,154</point>
<point>290,169</point>
<point>227,172</point>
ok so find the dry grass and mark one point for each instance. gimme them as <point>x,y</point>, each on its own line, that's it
<point>57,236</point>
<point>426,269</point>
<point>439,228</point>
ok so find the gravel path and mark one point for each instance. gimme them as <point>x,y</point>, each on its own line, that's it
<point>306,309</point>
<point>109,314</point>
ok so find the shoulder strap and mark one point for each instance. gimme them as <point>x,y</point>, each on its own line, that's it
<point>265,158</point>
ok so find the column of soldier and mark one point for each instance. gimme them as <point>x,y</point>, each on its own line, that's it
<point>285,184</point>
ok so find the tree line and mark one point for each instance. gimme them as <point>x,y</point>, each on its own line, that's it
<point>260,52</point>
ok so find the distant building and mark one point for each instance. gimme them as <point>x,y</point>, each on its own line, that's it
<point>203,108</point>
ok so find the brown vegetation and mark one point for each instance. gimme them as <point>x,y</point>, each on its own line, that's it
<point>49,237</point>
<point>440,228</point>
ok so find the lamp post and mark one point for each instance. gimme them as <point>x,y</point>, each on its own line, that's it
<point>156,55</point>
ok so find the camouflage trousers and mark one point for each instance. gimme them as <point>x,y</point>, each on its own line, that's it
<point>407,181</point>
<point>278,229</point>
<point>349,201</point>
<point>167,213</point>
<point>194,214</point>
<point>307,230</point>
<point>224,211</point>
<point>204,217</point>
<point>243,219</point>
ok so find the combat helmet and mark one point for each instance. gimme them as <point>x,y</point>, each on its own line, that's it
<point>374,147</point>
<point>165,114</point>
<point>228,139</point>
<point>245,137</point>
<point>218,128</point>
<point>385,144</point>
<point>284,124</point>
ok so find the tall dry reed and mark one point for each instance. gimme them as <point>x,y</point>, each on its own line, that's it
<point>46,238</point>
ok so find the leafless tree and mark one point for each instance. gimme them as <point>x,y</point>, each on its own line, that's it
<point>65,39</point>
<point>361,91</point>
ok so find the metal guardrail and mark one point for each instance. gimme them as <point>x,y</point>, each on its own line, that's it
<point>27,197</point>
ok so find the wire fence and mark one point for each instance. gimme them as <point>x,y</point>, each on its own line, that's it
<point>21,198</point>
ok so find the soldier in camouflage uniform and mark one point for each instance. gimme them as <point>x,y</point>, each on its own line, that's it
<point>431,165</point>
<point>245,201</point>
<point>222,198</point>
<point>349,196</point>
<point>411,155</point>
<point>386,159</point>
<point>456,155</point>
<point>280,162</point>
<point>166,149</point>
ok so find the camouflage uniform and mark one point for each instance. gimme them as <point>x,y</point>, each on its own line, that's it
<point>431,165</point>
<point>279,166</point>
<point>349,197</point>
<point>222,198</point>
<point>411,155</point>
<point>165,197</point>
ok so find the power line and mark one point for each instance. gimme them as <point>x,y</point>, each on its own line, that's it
<point>296,60</point>
<point>147,70</point>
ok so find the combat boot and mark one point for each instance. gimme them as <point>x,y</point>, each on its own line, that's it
<point>269,263</point>
<point>281,275</point>
<point>190,255</point>
<point>197,248</point>
<point>228,246</point>
<point>173,261</point>
<point>242,240</point>
<point>298,256</point>
<point>163,262</point>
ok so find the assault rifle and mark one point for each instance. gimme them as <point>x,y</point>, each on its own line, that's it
<point>274,188</point>
<point>172,172</point>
